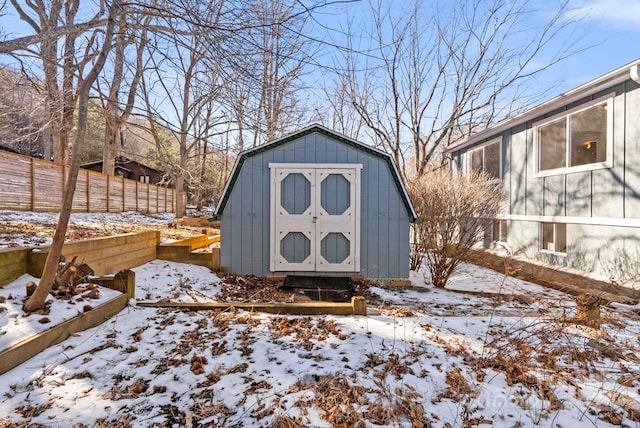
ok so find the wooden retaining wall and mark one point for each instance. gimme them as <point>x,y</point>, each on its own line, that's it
<point>568,282</point>
<point>13,264</point>
<point>109,255</point>
<point>184,254</point>
<point>30,184</point>
<point>357,306</point>
<point>22,351</point>
<point>106,256</point>
<point>113,256</point>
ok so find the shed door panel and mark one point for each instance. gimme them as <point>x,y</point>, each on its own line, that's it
<point>315,218</point>
<point>294,214</point>
<point>336,212</point>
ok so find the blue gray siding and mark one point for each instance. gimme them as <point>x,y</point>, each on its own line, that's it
<point>384,220</point>
<point>601,207</point>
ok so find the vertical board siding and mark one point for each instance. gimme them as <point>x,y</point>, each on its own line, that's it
<point>534,188</point>
<point>606,193</point>
<point>80,197</point>
<point>116,193</point>
<point>16,174</point>
<point>245,222</point>
<point>505,163</point>
<point>554,195</point>
<point>607,197</point>
<point>29,184</point>
<point>632,151</point>
<point>131,192</point>
<point>579,194</point>
<point>47,187</point>
<point>517,171</point>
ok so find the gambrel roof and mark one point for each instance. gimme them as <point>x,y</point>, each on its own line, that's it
<point>243,156</point>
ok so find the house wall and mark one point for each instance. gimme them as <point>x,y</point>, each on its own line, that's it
<point>601,207</point>
<point>136,169</point>
<point>384,224</point>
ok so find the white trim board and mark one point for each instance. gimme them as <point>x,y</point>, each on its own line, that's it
<point>315,165</point>
<point>594,221</point>
<point>315,223</point>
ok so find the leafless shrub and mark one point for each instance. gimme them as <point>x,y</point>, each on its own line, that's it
<point>453,212</point>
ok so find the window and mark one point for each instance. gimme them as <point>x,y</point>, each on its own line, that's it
<point>553,237</point>
<point>499,231</point>
<point>486,159</point>
<point>578,140</point>
<point>144,178</point>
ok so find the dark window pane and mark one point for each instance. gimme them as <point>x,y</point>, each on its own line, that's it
<point>476,160</point>
<point>547,236</point>
<point>492,160</point>
<point>589,136</point>
<point>561,238</point>
<point>495,230</point>
<point>551,145</point>
<point>503,230</point>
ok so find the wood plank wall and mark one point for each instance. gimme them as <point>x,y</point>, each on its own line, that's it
<point>106,256</point>
<point>30,184</point>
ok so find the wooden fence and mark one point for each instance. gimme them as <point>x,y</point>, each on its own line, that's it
<point>30,184</point>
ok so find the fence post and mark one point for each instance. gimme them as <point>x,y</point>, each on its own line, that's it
<point>33,186</point>
<point>64,180</point>
<point>124,200</point>
<point>108,193</point>
<point>88,191</point>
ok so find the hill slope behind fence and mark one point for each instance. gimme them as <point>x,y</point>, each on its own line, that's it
<point>30,184</point>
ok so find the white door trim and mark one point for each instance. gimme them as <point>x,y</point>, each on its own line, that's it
<point>307,223</point>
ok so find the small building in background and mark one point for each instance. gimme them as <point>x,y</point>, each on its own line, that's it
<point>132,170</point>
<point>571,170</point>
<point>315,203</point>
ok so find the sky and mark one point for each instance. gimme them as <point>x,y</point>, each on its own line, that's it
<point>610,29</point>
<point>608,36</point>
<point>613,31</point>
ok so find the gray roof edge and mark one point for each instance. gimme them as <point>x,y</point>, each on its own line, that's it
<point>308,129</point>
<point>612,78</point>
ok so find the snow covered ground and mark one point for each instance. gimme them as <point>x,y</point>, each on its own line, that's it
<point>486,351</point>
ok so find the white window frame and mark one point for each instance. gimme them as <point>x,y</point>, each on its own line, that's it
<point>607,163</point>
<point>555,238</point>
<point>468,162</point>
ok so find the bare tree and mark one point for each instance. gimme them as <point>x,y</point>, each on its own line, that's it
<point>131,31</point>
<point>267,61</point>
<point>61,69</point>
<point>335,111</point>
<point>440,71</point>
<point>37,299</point>
<point>453,213</point>
<point>181,82</point>
<point>22,115</point>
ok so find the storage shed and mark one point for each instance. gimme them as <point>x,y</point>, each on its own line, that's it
<point>315,203</point>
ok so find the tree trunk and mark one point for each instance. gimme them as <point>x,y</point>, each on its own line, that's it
<point>37,300</point>
<point>109,150</point>
<point>181,196</point>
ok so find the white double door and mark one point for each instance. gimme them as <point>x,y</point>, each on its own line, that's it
<point>315,212</point>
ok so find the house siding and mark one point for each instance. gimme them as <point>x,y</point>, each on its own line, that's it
<point>631,149</point>
<point>384,220</point>
<point>601,207</point>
